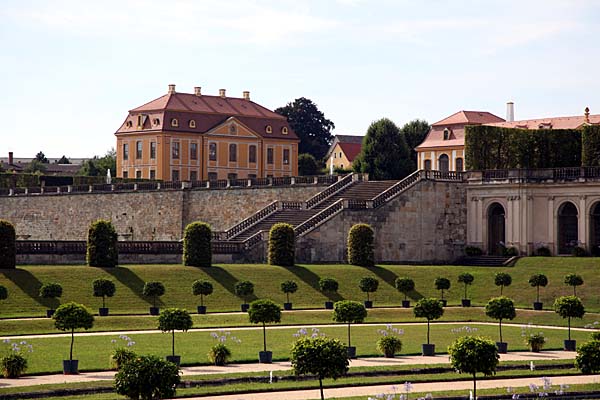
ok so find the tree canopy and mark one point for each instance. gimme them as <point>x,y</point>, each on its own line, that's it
<point>41,157</point>
<point>311,126</point>
<point>414,132</point>
<point>307,164</point>
<point>98,166</point>
<point>384,153</point>
<point>471,355</point>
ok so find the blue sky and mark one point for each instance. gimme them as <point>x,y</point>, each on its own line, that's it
<point>71,68</point>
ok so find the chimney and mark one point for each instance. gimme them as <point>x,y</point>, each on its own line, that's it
<point>246,95</point>
<point>198,91</point>
<point>586,115</point>
<point>171,89</point>
<point>10,158</point>
<point>222,93</point>
<point>510,111</point>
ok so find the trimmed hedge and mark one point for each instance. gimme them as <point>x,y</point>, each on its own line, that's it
<point>590,146</point>
<point>491,147</point>
<point>197,251</point>
<point>8,249</point>
<point>282,245</point>
<point>360,245</point>
<point>102,245</point>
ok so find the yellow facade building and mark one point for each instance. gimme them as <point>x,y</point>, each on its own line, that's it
<point>190,137</point>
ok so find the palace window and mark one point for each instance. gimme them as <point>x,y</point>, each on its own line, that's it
<point>192,123</point>
<point>459,164</point>
<point>193,176</point>
<point>152,150</point>
<point>193,151</point>
<point>427,165</point>
<point>232,152</point>
<point>286,156</point>
<point>125,175</point>
<point>125,151</point>
<point>212,151</point>
<point>252,153</point>
<point>138,149</point>
<point>284,130</point>
<point>232,176</point>
<point>270,155</point>
<point>232,129</point>
<point>156,121</point>
<point>446,134</point>
<point>269,129</point>
<point>152,174</point>
<point>129,124</point>
<point>138,174</point>
<point>175,150</point>
<point>174,122</point>
<point>212,176</point>
<point>175,175</point>
<point>251,176</point>
<point>140,121</point>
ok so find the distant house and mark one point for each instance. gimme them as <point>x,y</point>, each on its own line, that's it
<point>343,151</point>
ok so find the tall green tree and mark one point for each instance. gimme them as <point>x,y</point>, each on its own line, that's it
<point>384,154</point>
<point>41,157</point>
<point>63,160</point>
<point>98,166</point>
<point>311,126</point>
<point>414,132</point>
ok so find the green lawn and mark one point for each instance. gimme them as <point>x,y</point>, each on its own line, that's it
<point>24,282</point>
<point>94,351</point>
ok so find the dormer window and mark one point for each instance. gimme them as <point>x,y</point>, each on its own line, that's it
<point>174,122</point>
<point>284,130</point>
<point>545,125</point>
<point>129,124</point>
<point>192,123</point>
<point>269,129</point>
<point>446,134</point>
<point>139,121</point>
<point>156,121</point>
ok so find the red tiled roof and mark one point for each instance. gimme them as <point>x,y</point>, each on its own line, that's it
<point>351,150</point>
<point>470,118</point>
<point>552,122</point>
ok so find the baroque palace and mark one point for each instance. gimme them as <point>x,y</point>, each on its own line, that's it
<point>192,137</point>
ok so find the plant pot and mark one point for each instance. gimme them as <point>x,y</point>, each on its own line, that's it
<point>444,302</point>
<point>389,355</point>
<point>329,305</point>
<point>536,348</point>
<point>70,367</point>
<point>570,345</point>
<point>287,306</point>
<point>244,307</point>
<point>103,311</point>
<point>368,304</point>
<point>174,359</point>
<point>502,347</point>
<point>50,313</point>
<point>201,309</point>
<point>351,352</point>
<point>466,302</point>
<point>265,357</point>
<point>154,311</point>
<point>428,350</point>
<point>538,305</point>
<point>405,303</point>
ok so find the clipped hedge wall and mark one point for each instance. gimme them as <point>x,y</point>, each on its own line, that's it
<point>102,245</point>
<point>492,147</point>
<point>197,250</point>
<point>8,249</point>
<point>590,146</point>
<point>282,245</point>
<point>360,245</point>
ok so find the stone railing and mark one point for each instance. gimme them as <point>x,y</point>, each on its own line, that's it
<point>319,218</point>
<point>250,221</point>
<point>330,191</point>
<point>156,185</point>
<point>535,175</point>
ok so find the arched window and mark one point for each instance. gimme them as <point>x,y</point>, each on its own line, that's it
<point>595,229</point>
<point>459,164</point>
<point>284,130</point>
<point>428,165</point>
<point>233,152</point>
<point>269,129</point>
<point>443,163</point>
<point>568,236</point>
<point>496,229</point>
<point>174,122</point>
<point>192,123</point>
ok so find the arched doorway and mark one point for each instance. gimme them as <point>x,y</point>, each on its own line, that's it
<point>567,228</point>
<point>444,165</point>
<point>496,229</point>
<point>595,229</point>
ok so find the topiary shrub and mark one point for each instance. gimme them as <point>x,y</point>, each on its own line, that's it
<point>103,288</point>
<point>574,280</point>
<point>578,251</point>
<point>430,309</point>
<point>71,316</point>
<point>147,378</point>
<point>328,285</point>
<point>288,287</point>
<point>282,245</point>
<point>360,245</point>
<point>174,319</point>
<point>588,357</point>
<point>3,293</point>
<point>466,279</point>
<point>442,284</point>
<point>264,312</point>
<point>501,308</point>
<point>502,279</point>
<point>154,290</point>
<point>405,285</point>
<point>569,307</point>
<point>202,288</point>
<point>367,285</point>
<point>102,245</point>
<point>8,249</point>
<point>51,291</point>
<point>349,312</point>
<point>197,250</point>
<point>510,251</point>
<point>473,251</point>
<point>537,281</point>
<point>471,355</point>
<point>543,252</point>
<point>244,289</point>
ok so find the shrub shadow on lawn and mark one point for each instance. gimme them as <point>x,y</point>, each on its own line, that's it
<point>390,277</point>
<point>311,279</point>
<point>128,278</point>
<point>30,285</point>
<point>225,279</point>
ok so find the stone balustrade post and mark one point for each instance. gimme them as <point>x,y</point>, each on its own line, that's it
<point>158,185</point>
<point>293,180</point>
<point>135,187</point>
<point>90,188</point>
<point>11,192</point>
<point>69,188</point>
<point>370,204</point>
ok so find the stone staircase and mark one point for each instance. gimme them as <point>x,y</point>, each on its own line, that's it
<point>487,261</point>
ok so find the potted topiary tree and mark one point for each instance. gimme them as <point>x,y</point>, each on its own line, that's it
<point>8,246</point>
<point>154,290</point>
<point>320,356</point>
<point>442,284</point>
<point>536,281</point>
<point>466,279</point>
<point>430,309</point>
<point>328,286</point>
<point>171,320</point>
<point>503,280</point>
<point>360,245</point>
<point>288,287</point>
<point>569,307</point>
<point>368,285</point>
<point>349,312</point>
<point>101,249</point>
<point>51,291</point>
<point>244,289</point>
<point>405,285</point>
<point>574,280</point>
<point>501,308</point>
<point>471,355</point>
<point>202,288</point>
<point>264,312</point>
<point>282,245</point>
<point>197,250</point>
<point>103,288</point>
<point>68,317</point>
